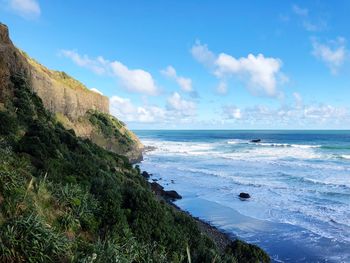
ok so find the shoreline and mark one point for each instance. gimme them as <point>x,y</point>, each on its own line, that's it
<point>221,238</point>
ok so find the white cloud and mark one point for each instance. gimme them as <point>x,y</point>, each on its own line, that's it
<point>133,80</point>
<point>333,54</point>
<point>308,22</point>
<point>98,65</point>
<point>178,110</point>
<point>202,54</point>
<point>258,71</point>
<point>315,26</point>
<point>232,112</point>
<point>184,83</point>
<point>97,91</point>
<point>25,8</point>
<point>324,112</point>
<point>300,11</point>
<point>261,74</point>
<point>123,109</point>
<point>181,106</point>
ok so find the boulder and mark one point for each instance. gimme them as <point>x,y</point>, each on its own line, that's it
<point>172,195</point>
<point>145,175</point>
<point>244,195</point>
<point>168,195</point>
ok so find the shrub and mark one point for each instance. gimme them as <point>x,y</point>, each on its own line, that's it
<point>8,123</point>
<point>29,239</point>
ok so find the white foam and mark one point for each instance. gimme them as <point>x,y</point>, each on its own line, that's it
<point>249,154</point>
<point>179,148</point>
<point>302,146</point>
<point>268,153</point>
<point>237,141</point>
<point>345,156</point>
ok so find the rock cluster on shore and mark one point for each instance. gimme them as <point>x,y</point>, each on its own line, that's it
<point>170,195</point>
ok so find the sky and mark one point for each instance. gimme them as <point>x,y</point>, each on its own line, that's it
<point>198,64</point>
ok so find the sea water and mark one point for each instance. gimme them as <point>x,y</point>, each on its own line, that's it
<point>299,182</point>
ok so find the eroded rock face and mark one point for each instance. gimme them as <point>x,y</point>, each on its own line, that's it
<point>64,96</point>
<point>60,98</point>
<point>4,34</point>
<point>11,63</point>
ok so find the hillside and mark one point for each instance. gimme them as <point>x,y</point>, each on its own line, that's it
<point>76,106</point>
<point>65,199</point>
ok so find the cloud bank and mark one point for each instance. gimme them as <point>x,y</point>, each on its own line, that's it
<point>295,115</point>
<point>177,110</point>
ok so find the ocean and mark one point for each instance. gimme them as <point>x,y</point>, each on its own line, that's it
<point>299,182</point>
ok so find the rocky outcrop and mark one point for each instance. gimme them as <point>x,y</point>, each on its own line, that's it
<point>11,63</point>
<point>61,93</point>
<point>71,102</point>
<point>170,195</point>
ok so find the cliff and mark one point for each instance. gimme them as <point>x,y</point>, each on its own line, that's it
<point>63,94</point>
<point>70,100</point>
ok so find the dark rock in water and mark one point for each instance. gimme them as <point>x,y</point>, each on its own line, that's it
<point>154,180</point>
<point>244,195</point>
<point>145,175</point>
<point>173,195</point>
<point>256,140</point>
<point>172,181</point>
<point>169,195</point>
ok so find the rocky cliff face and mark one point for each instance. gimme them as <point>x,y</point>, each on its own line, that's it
<point>11,63</point>
<point>67,98</point>
<point>63,94</point>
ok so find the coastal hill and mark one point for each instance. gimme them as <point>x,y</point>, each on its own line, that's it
<point>63,198</point>
<point>74,105</point>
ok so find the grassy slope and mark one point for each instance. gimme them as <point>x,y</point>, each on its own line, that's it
<point>64,199</point>
<point>113,135</point>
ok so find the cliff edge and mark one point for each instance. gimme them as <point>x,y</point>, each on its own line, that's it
<point>75,106</point>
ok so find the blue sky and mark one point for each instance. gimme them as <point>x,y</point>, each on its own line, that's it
<point>198,64</point>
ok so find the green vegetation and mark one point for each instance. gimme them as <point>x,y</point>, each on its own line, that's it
<point>113,135</point>
<point>108,125</point>
<point>64,199</point>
